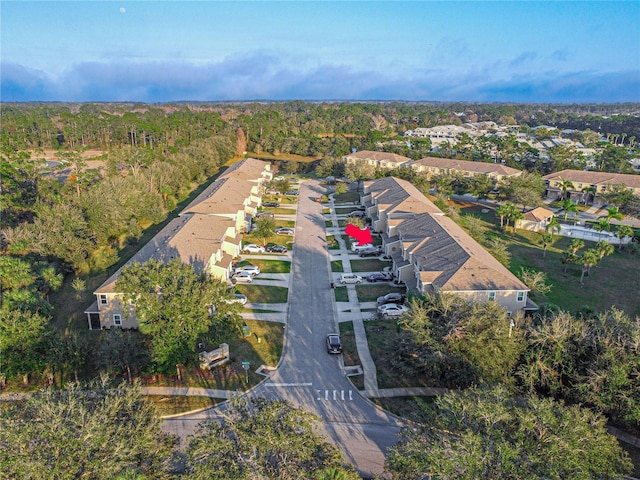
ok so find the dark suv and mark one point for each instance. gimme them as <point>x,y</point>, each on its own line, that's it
<point>393,297</point>
<point>334,345</point>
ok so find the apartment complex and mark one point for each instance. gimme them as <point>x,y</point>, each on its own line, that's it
<point>439,166</point>
<point>586,186</point>
<point>432,254</point>
<point>207,235</point>
<point>376,159</point>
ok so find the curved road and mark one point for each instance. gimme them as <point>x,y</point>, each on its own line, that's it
<point>307,376</point>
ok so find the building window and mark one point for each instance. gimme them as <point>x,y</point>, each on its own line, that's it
<point>520,297</point>
<point>117,319</point>
<point>492,296</point>
<point>103,299</point>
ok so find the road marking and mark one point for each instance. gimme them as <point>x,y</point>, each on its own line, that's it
<point>334,394</point>
<point>350,395</point>
<point>272,384</point>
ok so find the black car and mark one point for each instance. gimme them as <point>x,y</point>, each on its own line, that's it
<point>334,345</point>
<point>273,248</point>
<point>393,297</point>
<point>271,204</point>
<point>369,252</point>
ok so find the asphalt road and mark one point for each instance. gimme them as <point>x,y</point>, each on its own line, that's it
<point>307,376</point>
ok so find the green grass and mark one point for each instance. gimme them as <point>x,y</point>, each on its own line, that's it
<point>264,293</point>
<point>173,405</point>
<point>371,292</point>
<point>336,266</point>
<point>271,266</point>
<point>347,197</point>
<point>614,282</point>
<point>341,294</point>
<point>368,265</point>
<point>411,408</point>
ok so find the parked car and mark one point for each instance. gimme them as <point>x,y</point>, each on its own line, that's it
<point>291,192</point>
<point>380,277</point>
<point>370,252</point>
<point>252,269</point>
<point>350,278</point>
<point>243,277</point>
<point>334,345</point>
<point>392,310</point>
<point>265,214</point>
<point>236,298</point>
<point>273,248</point>
<point>356,248</point>
<point>271,204</point>
<point>253,248</point>
<point>393,297</point>
<point>284,231</point>
<point>357,213</point>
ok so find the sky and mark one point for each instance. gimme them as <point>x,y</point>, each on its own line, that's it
<point>476,51</point>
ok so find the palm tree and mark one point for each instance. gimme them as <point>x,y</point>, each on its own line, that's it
<point>553,225</point>
<point>516,215</point>
<point>546,239</point>
<point>589,259</point>
<point>575,245</point>
<point>567,258</point>
<point>569,207</point>
<point>601,225</point>
<point>622,232</point>
<point>503,211</point>
<point>604,248</point>
<point>565,185</point>
<point>586,191</point>
<point>612,214</point>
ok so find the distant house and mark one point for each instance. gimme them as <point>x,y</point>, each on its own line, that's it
<point>432,254</point>
<point>376,159</point>
<point>206,235</point>
<point>535,219</point>
<point>439,166</point>
<point>587,186</point>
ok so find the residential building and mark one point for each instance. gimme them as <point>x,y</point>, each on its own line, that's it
<point>206,235</point>
<point>535,219</point>
<point>432,254</point>
<point>439,166</point>
<point>587,186</point>
<point>376,159</point>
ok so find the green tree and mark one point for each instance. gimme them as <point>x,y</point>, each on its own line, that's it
<point>618,195</point>
<point>612,214</point>
<point>264,227</point>
<point>604,248</point>
<point>546,239</point>
<point>173,307</point>
<point>262,439</point>
<point>122,350</point>
<point>535,280</point>
<point>588,259</point>
<point>622,232</point>
<point>93,431</point>
<point>503,212</point>
<point>487,434</point>
<point>553,225</point>
<point>525,189</point>
<point>569,207</point>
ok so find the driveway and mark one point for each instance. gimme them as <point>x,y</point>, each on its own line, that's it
<point>307,376</point>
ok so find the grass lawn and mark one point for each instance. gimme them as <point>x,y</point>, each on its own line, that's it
<point>371,292</point>
<point>368,265</point>
<point>614,282</point>
<point>341,294</point>
<point>336,266</point>
<point>332,243</point>
<point>347,197</point>
<point>264,293</point>
<point>350,352</point>
<point>411,408</point>
<point>268,266</point>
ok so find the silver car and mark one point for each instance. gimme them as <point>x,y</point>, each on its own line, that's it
<point>350,278</point>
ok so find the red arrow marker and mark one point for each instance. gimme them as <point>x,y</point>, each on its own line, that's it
<point>362,235</point>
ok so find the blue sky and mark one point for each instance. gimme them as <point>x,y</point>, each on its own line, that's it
<point>148,51</point>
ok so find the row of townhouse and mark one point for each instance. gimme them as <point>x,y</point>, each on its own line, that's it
<point>433,166</point>
<point>207,235</point>
<point>586,186</point>
<point>432,254</point>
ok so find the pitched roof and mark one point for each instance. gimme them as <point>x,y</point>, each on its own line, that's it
<point>191,238</point>
<point>450,259</point>
<point>465,166</point>
<point>396,196</point>
<point>586,176</point>
<point>538,214</point>
<point>379,156</point>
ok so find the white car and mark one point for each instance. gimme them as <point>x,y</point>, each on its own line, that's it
<point>284,231</point>
<point>253,248</point>
<point>350,278</point>
<point>392,310</point>
<point>356,248</point>
<point>243,277</point>
<point>252,269</point>
<point>236,298</point>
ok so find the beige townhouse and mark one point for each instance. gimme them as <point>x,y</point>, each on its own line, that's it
<point>376,159</point>
<point>586,186</point>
